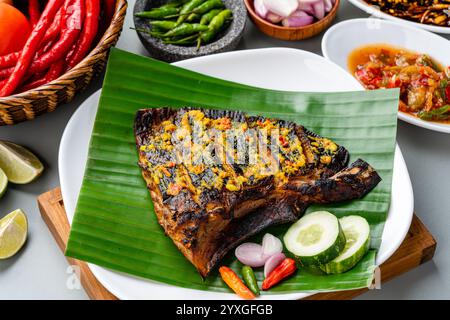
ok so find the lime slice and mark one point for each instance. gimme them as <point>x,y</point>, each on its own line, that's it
<point>13,233</point>
<point>3,182</point>
<point>19,164</point>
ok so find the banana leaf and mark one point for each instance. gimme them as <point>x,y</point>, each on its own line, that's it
<point>115,225</point>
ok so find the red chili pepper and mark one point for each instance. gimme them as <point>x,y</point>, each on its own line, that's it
<point>53,73</point>
<point>30,48</point>
<point>235,283</point>
<point>286,268</point>
<point>284,142</point>
<point>39,75</point>
<point>55,29</point>
<point>84,43</point>
<point>36,76</point>
<point>71,27</point>
<point>9,60</point>
<point>110,6</point>
<point>44,48</point>
<point>34,11</point>
<point>5,73</point>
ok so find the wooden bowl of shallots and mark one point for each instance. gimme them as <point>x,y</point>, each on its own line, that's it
<point>292,19</point>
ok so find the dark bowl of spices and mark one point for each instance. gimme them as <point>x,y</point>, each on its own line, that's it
<point>173,30</point>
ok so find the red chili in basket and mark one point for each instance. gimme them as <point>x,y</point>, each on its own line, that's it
<point>55,29</point>
<point>9,60</point>
<point>5,73</point>
<point>53,73</point>
<point>44,49</point>
<point>71,27</point>
<point>88,34</point>
<point>34,12</point>
<point>30,48</point>
<point>12,59</point>
<point>110,6</point>
<point>286,268</point>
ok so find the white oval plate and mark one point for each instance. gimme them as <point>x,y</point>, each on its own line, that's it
<point>341,39</point>
<point>361,4</point>
<point>282,69</point>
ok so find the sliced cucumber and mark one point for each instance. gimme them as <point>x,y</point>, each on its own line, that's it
<point>316,238</point>
<point>357,233</point>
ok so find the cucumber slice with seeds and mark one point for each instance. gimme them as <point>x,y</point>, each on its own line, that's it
<point>316,238</point>
<point>357,233</point>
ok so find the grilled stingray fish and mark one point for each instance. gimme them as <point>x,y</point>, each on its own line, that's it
<point>218,177</point>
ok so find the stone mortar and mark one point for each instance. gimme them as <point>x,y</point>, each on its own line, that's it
<point>227,40</point>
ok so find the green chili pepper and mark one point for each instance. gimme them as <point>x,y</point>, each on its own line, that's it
<point>159,13</point>
<point>250,280</point>
<point>187,8</point>
<point>153,33</point>
<point>203,8</point>
<point>186,29</point>
<point>208,6</point>
<point>207,17</point>
<point>216,24</point>
<point>158,31</point>
<point>175,3</point>
<point>442,113</point>
<point>188,41</point>
<point>193,17</point>
<point>163,24</point>
<point>170,5</point>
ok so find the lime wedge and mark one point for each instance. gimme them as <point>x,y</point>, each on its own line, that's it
<point>13,233</point>
<point>3,182</point>
<point>19,164</point>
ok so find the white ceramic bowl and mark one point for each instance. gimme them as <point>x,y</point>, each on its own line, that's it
<point>361,4</point>
<point>341,39</point>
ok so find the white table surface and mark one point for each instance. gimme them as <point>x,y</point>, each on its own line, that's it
<point>40,270</point>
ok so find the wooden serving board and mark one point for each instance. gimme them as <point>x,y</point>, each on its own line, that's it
<point>417,248</point>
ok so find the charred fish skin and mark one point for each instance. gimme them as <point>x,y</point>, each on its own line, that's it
<point>207,209</point>
<point>350,183</point>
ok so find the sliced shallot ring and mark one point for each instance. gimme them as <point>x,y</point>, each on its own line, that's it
<point>271,245</point>
<point>260,8</point>
<point>282,8</point>
<point>328,5</point>
<point>272,263</point>
<point>297,19</point>
<point>250,254</point>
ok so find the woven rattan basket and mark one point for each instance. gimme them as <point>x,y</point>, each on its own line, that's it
<point>30,104</point>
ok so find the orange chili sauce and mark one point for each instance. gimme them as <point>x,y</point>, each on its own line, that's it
<point>360,56</point>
